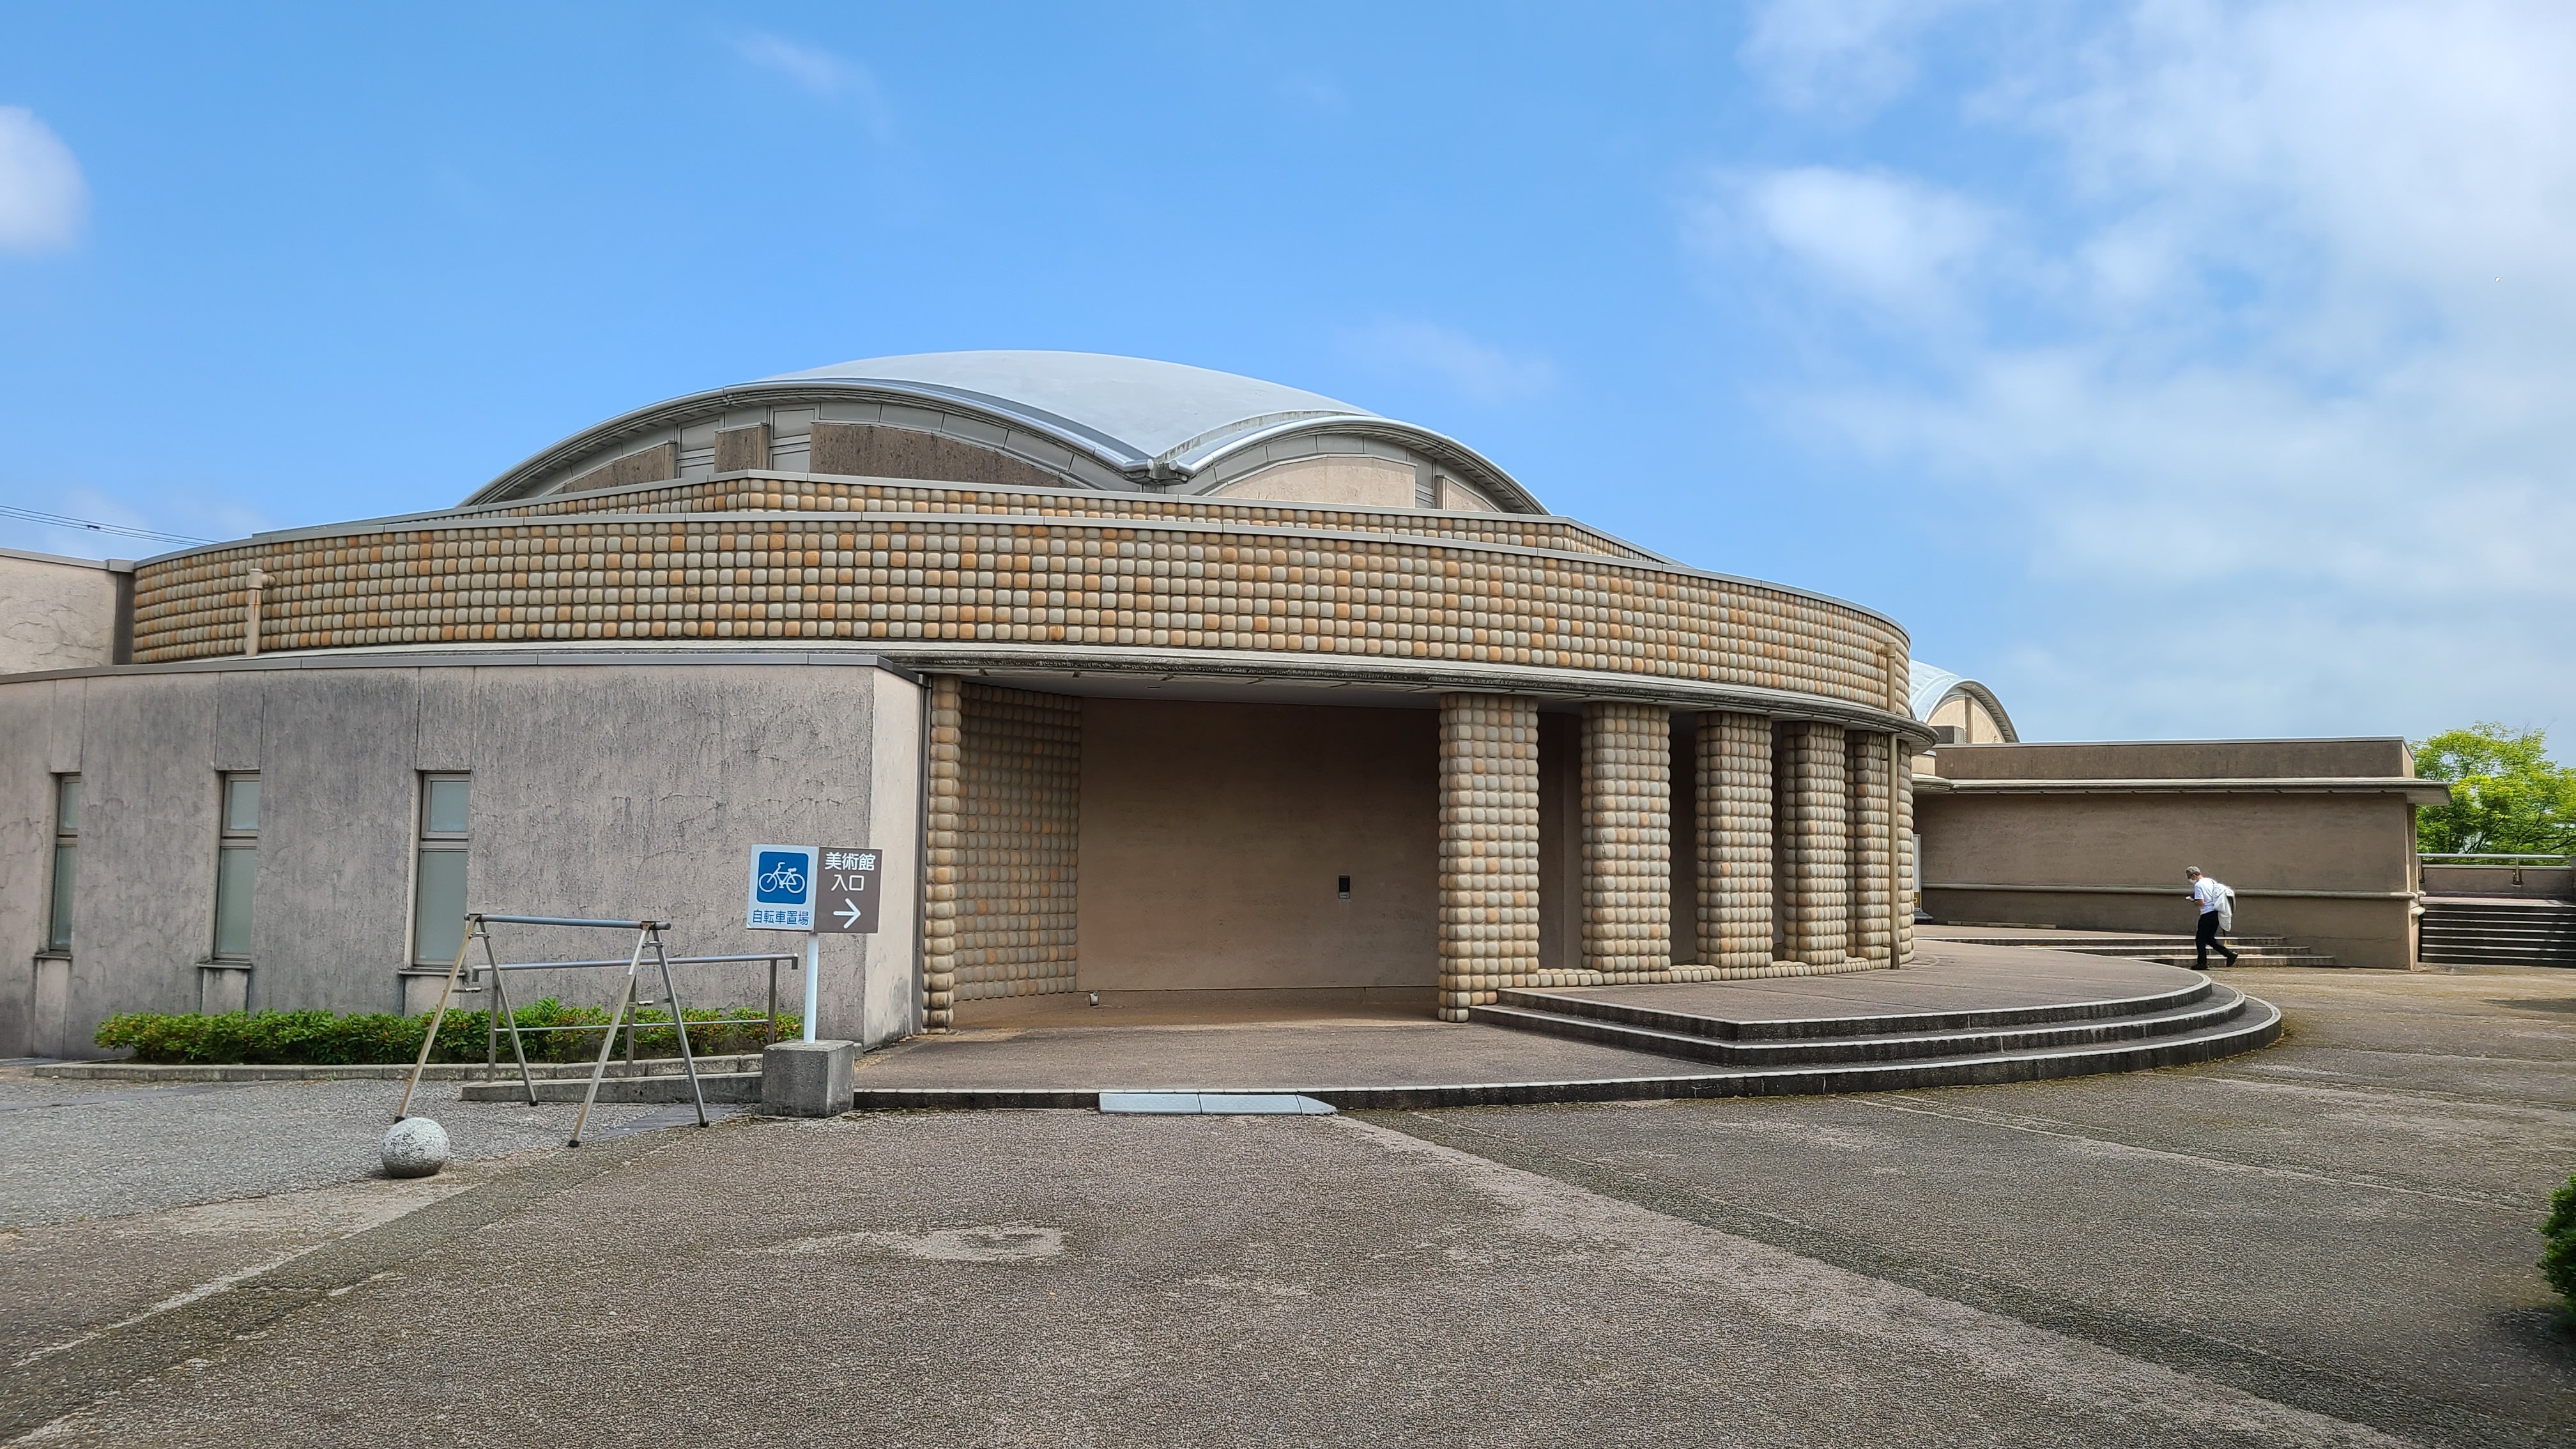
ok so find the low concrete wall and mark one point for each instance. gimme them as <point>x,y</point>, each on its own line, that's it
<point>60,613</point>
<point>2328,870</point>
<point>618,784</point>
<point>1213,835</point>
<point>2541,882</point>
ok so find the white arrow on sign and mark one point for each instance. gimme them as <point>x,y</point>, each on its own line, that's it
<point>849,914</point>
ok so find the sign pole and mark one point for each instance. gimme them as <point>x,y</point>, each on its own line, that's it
<point>813,978</point>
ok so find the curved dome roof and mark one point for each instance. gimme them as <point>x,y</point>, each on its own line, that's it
<point>1153,422</point>
<point>1929,684</point>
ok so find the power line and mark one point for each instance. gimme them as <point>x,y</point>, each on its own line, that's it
<point>60,521</point>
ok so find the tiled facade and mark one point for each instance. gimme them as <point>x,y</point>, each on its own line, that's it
<point>1200,582</point>
<point>1811,854</point>
<point>1868,837</point>
<point>1627,841</point>
<point>1488,848</point>
<point>1734,783</point>
<point>1001,880</point>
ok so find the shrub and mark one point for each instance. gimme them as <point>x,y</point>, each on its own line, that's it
<point>326,1039</point>
<point>2558,1257</point>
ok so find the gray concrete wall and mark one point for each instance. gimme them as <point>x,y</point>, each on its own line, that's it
<point>1212,834</point>
<point>2179,760</point>
<point>623,789</point>
<point>2358,846</point>
<point>56,613</point>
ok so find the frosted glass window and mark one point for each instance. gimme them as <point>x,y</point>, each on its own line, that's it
<point>438,882</point>
<point>439,918</point>
<point>241,805</point>
<point>443,812</point>
<point>58,904</point>
<point>236,872</point>
<point>236,867</point>
<point>58,925</point>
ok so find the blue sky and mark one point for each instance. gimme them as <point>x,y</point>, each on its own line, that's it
<point>2180,370</point>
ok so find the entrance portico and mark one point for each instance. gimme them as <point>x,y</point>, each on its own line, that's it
<point>1097,833</point>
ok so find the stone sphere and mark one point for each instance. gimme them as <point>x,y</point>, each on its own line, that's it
<point>416,1147</point>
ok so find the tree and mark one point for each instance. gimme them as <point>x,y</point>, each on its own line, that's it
<point>2506,796</point>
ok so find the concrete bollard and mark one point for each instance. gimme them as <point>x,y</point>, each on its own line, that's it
<point>807,1078</point>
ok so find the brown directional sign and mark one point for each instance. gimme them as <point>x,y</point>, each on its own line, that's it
<point>845,889</point>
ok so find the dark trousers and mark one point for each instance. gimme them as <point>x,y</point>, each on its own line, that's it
<point>2208,940</point>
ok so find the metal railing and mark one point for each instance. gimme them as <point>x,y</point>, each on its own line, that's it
<point>624,1015</point>
<point>2495,857</point>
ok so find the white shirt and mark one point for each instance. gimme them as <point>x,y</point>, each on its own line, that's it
<point>2209,893</point>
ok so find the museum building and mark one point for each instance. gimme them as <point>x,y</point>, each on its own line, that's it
<point>1140,676</point>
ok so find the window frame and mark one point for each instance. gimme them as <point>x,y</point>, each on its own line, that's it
<point>230,841</point>
<point>427,842</point>
<point>61,883</point>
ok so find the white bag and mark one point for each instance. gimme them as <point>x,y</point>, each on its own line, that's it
<point>2226,908</point>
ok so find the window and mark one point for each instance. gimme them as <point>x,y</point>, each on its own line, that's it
<point>58,912</point>
<point>236,867</point>
<point>438,897</point>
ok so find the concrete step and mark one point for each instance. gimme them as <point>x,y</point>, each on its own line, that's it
<point>2257,1024</point>
<point>2215,1009</point>
<point>1628,1013</point>
<point>2457,933</point>
<point>2189,959</point>
<point>2100,944</point>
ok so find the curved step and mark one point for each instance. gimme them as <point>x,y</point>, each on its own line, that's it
<point>2258,1025</point>
<point>1817,1028</point>
<point>2213,1008</point>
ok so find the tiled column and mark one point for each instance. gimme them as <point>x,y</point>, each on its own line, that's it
<point>1734,785</point>
<point>1016,901</point>
<point>1809,797</point>
<point>1867,837</point>
<point>1488,848</point>
<point>942,866</point>
<point>1905,865</point>
<point>1627,840</point>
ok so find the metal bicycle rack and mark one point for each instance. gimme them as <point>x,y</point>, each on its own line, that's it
<point>624,1016</point>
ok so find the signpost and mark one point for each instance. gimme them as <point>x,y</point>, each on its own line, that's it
<point>800,888</point>
<point>847,904</point>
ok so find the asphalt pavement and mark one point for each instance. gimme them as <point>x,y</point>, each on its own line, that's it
<point>2328,1242</point>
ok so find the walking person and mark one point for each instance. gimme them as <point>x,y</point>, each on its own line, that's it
<point>2217,905</point>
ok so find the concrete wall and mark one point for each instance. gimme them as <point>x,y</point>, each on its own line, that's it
<point>1355,478</point>
<point>629,786</point>
<point>2179,760</point>
<point>58,613</point>
<point>2537,882</point>
<point>2354,849</point>
<point>1213,834</point>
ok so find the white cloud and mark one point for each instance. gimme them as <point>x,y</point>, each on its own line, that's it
<point>2295,370</point>
<point>1844,54</point>
<point>1475,370</point>
<point>822,74</point>
<point>1894,242</point>
<point>43,199</point>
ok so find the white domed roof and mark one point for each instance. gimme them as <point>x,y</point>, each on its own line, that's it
<point>1150,423</point>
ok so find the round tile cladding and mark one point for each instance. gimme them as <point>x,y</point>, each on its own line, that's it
<point>875,563</point>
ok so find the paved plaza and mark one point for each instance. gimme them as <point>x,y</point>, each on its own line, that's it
<point>2326,1242</point>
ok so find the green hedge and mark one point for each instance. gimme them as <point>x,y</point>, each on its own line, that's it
<point>327,1039</point>
<point>2558,1255</point>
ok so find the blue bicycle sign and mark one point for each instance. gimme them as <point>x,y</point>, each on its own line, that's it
<point>782,888</point>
